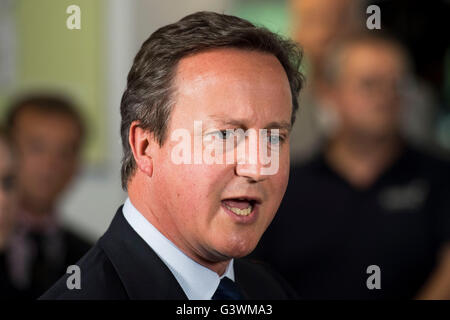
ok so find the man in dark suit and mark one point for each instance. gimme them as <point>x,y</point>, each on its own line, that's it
<point>193,211</point>
<point>46,133</point>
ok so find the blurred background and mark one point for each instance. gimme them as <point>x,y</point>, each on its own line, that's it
<point>38,53</point>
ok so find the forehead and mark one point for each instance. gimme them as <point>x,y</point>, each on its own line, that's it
<point>228,65</point>
<point>372,58</point>
<point>33,119</point>
<point>320,7</point>
<point>233,80</point>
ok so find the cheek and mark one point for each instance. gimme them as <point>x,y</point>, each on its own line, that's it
<point>352,102</point>
<point>68,169</point>
<point>194,189</point>
<point>28,161</point>
<point>33,165</point>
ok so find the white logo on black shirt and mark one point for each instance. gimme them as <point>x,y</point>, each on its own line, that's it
<point>405,197</point>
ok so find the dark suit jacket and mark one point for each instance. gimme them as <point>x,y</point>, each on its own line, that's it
<point>122,266</point>
<point>74,247</point>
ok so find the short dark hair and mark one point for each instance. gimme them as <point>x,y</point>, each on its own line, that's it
<point>45,103</point>
<point>147,98</point>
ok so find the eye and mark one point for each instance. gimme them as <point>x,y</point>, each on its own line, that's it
<point>222,134</point>
<point>7,183</point>
<point>275,138</point>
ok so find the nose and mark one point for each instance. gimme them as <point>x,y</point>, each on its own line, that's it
<point>248,162</point>
<point>250,171</point>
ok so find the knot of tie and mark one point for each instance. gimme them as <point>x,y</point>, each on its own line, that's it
<point>228,290</point>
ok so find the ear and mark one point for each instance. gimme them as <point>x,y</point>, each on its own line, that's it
<point>142,143</point>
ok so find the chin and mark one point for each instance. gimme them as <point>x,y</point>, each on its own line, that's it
<point>239,249</point>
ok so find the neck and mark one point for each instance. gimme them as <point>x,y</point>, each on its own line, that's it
<point>35,209</point>
<point>146,204</point>
<point>36,218</point>
<point>361,158</point>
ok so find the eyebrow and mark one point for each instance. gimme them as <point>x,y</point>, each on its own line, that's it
<point>284,125</point>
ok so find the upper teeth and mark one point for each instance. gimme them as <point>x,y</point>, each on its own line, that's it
<point>241,212</point>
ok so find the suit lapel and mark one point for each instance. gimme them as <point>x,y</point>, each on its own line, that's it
<point>143,274</point>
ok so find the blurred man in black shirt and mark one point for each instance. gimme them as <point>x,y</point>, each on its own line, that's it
<point>369,200</point>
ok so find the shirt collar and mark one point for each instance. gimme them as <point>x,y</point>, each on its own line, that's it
<point>197,281</point>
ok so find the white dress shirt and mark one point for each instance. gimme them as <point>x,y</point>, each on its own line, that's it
<point>197,281</point>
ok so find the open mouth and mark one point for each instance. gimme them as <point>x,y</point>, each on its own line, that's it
<point>240,206</point>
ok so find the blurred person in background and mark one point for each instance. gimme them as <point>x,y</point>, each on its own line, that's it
<point>368,198</point>
<point>418,26</point>
<point>47,134</point>
<point>7,206</point>
<point>318,25</point>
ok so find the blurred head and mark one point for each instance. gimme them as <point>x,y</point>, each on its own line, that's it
<point>318,24</point>
<point>229,74</point>
<point>365,75</point>
<point>7,184</point>
<point>47,133</point>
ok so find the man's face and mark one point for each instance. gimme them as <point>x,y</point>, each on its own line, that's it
<point>368,89</point>
<point>48,147</point>
<point>225,89</point>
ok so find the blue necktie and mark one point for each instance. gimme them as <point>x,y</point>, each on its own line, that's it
<point>228,290</point>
